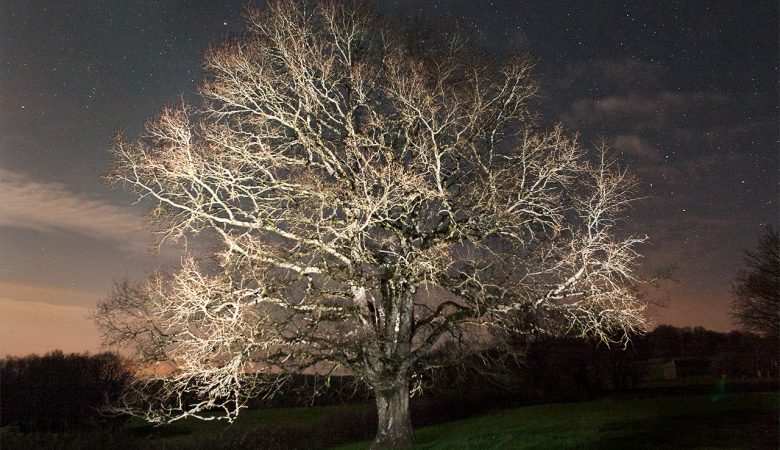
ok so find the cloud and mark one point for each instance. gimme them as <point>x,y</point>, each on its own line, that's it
<point>650,112</point>
<point>612,77</point>
<point>39,319</point>
<point>49,294</point>
<point>635,146</point>
<point>33,327</point>
<point>51,207</point>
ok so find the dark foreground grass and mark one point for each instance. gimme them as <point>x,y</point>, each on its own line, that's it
<point>248,421</point>
<point>273,428</point>
<point>737,421</point>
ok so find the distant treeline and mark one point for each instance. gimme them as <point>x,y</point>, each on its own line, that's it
<point>663,361</point>
<point>570,369</point>
<point>558,369</point>
<point>58,391</point>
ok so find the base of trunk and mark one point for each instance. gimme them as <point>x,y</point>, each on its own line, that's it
<point>394,428</point>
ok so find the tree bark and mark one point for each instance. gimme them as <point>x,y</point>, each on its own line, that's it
<point>394,428</point>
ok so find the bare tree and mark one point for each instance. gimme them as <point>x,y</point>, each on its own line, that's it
<point>756,303</point>
<point>373,194</point>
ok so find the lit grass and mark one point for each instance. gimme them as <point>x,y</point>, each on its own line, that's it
<point>733,422</point>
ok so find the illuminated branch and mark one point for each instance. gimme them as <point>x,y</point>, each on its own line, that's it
<point>371,200</point>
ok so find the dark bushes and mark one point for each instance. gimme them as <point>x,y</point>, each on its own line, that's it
<point>58,391</point>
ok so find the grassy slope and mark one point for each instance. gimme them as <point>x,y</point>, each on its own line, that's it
<point>733,422</point>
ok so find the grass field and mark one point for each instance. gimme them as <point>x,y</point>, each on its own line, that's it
<point>259,428</point>
<point>184,432</point>
<point>736,421</point>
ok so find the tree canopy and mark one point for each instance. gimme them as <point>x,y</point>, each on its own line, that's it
<point>756,304</point>
<point>373,192</point>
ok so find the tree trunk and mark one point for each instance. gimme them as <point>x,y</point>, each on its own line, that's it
<point>394,428</point>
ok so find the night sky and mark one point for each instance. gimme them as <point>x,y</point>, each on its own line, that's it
<point>686,92</point>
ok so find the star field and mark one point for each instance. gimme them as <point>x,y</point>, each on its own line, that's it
<point>684,91</point>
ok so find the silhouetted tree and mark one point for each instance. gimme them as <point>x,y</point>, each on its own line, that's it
<point>747,355</point>
<point>756,304</point>
<point>373,195</point>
